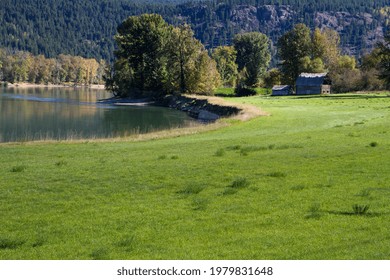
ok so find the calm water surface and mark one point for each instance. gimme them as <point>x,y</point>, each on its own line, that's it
<point>65,113</point>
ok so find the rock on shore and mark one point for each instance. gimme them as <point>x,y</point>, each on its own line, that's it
<point>199,108</point>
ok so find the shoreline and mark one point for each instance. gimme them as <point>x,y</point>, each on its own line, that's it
<point>210,105</point>
<point>30,85</point>
<point>246,111</point>
<point>203,108</point>
<point>116,101</point>
<point>200,107</point>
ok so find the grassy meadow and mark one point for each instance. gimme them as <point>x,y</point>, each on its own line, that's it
<point>310,181</point>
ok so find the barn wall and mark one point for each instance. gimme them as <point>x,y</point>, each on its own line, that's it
<point>309,89</point>
<point>325,89</point>
<point>280,92</point>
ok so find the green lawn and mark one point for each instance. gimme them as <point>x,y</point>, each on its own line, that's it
<point>287,186</point>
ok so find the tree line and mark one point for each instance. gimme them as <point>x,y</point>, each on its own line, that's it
<point>156,57</point>
<point>301,50</point>
<point>20,66</point>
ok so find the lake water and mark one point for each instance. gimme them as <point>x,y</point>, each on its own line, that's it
<point>65,113</point>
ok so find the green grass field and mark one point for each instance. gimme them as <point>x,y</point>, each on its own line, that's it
<point>310,181</point>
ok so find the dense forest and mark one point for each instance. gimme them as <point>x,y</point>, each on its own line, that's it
<point>87,28</point>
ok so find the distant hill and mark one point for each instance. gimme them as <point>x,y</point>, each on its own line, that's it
<point>86,28</point>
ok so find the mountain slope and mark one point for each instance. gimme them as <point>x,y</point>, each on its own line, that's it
<point>87,28</point>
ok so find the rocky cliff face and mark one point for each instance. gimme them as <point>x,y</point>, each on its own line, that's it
<point>359,32</point>
<point>267,19</point>
<point>343,22</point>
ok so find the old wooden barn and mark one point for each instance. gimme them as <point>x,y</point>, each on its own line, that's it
<point>313,83</point>
<point>281,90</point>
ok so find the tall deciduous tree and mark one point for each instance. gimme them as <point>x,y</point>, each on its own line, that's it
<point>253,55</point>
<point>182,50</point>
<point>189,67</point>
<point>384,65</point>
<point>271,78</point>
<point>326,46</point>
<point>141,40</point>
<point>293,47</point>
<point>345,76</point>
<point>225,57</point>
<point>154,56</point>
<point>205,78</point>
<point>370,67</point>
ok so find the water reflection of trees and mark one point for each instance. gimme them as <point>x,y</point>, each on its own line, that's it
<point>76,115</point>
<point>143,119</point>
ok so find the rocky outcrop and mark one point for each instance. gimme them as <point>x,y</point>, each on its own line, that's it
<point>359,31</point>
<point>245,18</point>
<point>343,22</point>
<point>197,108</point>
<point>205,115</point>
<point>267,19</point>
<point>275,19</point>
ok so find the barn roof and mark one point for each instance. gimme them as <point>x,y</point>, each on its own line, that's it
<point>281,87</point>
<point>311,79</point>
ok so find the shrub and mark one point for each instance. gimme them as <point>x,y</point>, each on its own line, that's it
<point>229,191</point>
<point>240,183</point>
<point>6,243</point>
<point>244,91</point>
<point>39,241</point>
<point>271,146</point>
<point>234,148</point>
<point>277,174</point>
<point>191,189</point>
<point>60,163</point>
<point>373,144</point>
<point>220,152</point>
<point>99,254</point>
<point>199,203</point>
<point>18,168</point>
<point>360,209</point>
<point>297,188</point>
<point>364,193</point>
<point>314,212</point>
<point>127,242</point>
<point>244,151</point>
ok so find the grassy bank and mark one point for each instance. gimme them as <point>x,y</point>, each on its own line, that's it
<point>310,181</point>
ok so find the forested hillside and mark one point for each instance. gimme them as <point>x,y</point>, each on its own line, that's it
<point>86,28</point>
